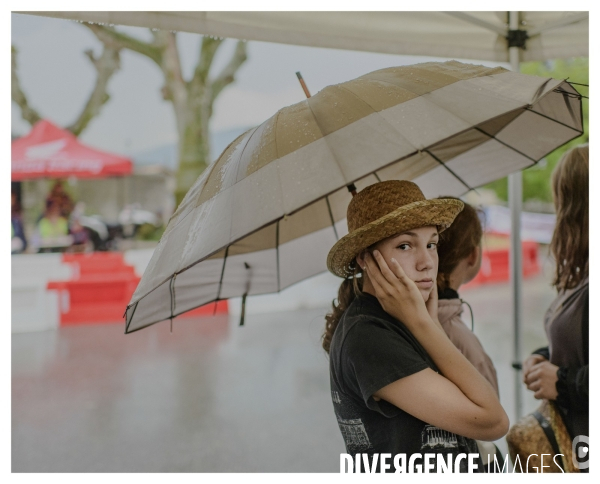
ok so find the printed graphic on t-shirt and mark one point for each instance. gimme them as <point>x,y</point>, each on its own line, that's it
<point>436,440</point>
<point>354,434</point>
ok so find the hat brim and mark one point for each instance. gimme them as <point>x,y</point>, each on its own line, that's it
<point>438,212</point>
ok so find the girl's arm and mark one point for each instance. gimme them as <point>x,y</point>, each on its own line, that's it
<point>461,401</point>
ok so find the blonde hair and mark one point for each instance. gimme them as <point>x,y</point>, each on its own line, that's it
<point>570,243</point>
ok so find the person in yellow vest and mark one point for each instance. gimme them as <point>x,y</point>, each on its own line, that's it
<point>52,227</point>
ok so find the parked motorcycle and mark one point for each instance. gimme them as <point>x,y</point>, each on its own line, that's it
<point>106,235</point>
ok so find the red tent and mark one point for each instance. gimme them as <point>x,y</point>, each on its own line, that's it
<point>51,152</point>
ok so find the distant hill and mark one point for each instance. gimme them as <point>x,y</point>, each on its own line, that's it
<point>166,155</point>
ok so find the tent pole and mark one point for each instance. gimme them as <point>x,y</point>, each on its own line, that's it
<point>515,197</point>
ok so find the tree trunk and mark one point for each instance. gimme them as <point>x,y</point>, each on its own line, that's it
<point>192,100</point>
<point>194,153</point>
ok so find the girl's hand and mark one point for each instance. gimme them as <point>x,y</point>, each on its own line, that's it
<point>529,363</point>
<point>542,379</point>
<point>397,294</point>
<point>432,304</point>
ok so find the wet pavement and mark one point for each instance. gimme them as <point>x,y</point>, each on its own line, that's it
<point>211,396</point>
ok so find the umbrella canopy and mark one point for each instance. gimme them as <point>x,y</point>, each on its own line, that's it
<point>468,35</point>
<point>51,152</point>
<point>266,213</point>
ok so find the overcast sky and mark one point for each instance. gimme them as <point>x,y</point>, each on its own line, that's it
<point>57,77</point>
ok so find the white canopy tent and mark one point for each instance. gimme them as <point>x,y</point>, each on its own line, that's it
<point>512,37</point>
<point>465,35</point>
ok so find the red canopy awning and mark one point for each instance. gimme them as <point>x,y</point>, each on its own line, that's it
<point>51,152</point>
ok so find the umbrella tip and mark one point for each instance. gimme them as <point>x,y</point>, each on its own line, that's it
<point>303,84</point>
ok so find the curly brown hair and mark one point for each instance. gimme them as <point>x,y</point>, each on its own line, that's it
<point>570,243</point>
<point>349,289</point>
<point>457,242</point>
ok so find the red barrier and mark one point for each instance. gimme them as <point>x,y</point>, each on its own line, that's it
<point>103,284</point>
<point>101,289</point>
<point>495,264</point>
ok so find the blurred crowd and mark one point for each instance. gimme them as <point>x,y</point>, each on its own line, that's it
<point>58,228</point>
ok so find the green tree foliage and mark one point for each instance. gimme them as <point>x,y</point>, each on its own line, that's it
<point>536,179</point>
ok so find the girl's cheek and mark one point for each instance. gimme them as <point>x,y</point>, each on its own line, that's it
<point>402,255</point>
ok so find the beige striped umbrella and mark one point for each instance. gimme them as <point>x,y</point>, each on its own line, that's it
<point>266,213</point>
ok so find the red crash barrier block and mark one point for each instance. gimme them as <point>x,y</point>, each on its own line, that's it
<point>495,264</point>
<point>102,288</point>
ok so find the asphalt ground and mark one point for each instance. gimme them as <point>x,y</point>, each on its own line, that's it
<point>211,396</point>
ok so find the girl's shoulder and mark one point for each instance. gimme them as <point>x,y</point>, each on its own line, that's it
<point>366,324</point>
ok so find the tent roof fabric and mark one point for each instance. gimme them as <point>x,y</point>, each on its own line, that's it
<point>465,35</point>
<point>48,151</point>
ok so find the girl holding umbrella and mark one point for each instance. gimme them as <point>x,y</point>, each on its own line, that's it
<point>399,386</point>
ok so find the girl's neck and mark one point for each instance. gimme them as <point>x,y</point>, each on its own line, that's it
<point>367,286</point>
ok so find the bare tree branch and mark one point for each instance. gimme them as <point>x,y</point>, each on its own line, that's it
<point>192,101</point>
<point>171,67</point>
<point>106,65</point>
<point>208,49</point>
<point>27,112</point>
<point>118,40</point>
<point>227,75</point>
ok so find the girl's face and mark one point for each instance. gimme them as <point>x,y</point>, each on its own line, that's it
<point>416,252</point>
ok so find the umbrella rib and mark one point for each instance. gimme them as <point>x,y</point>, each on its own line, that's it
<point>172,288</point>
<point>277,250</point>
<point>581,111</point>
<point>375,111</point>
<point>552,119</point>
<point>566,97</point>
<point>337,237</point>
<point>131,318</point>
<point>237,172</point>
<point>539,91</point>
<point>324,138</point>
<point>222,274</point>
<point>449,169</point>
<point>507,145</point>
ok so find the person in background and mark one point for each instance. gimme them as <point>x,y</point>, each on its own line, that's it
<point>19,242</point>
<point>559,372</point>
<point>52,225</point>
<point>62,199</point>
<point>79,233</point>
<point>459,252</point>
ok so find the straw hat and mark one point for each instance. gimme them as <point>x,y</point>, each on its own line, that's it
<point>384,209</point>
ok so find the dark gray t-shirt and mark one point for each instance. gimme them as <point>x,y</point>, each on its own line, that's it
<point>369,350</point>
<point>563,323</point>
